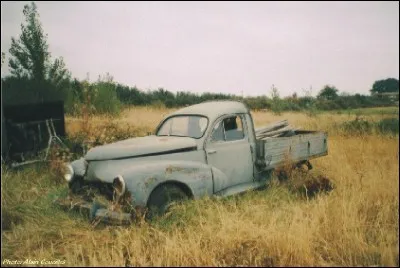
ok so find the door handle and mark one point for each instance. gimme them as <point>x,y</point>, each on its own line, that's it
<point>211,151</point>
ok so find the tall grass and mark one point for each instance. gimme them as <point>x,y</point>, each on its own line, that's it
<point>356,224</point>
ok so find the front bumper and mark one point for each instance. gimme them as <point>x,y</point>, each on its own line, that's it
<point>101,202</point>
<point>116,207</point>
<point>95,211</point>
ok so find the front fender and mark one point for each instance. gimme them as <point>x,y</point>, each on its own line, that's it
<point>79,166</point>
<point>141,179</point>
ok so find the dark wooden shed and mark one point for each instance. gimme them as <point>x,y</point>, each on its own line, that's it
<point>24,128</point>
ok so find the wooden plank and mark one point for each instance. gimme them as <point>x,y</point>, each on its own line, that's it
<point>276,132</point>
<point>297,148</point>
<point>272,126</point>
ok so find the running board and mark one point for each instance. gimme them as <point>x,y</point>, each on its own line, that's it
<point>240,188</point>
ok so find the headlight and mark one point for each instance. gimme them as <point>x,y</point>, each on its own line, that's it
<point>68,172</point>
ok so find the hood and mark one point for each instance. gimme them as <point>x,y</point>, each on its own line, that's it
<point>143,146</point>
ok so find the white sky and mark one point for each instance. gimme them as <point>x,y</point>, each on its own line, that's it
<point>226,47</point>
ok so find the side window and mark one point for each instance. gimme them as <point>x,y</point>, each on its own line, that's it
<point>229,129</point>
<point>233,128</point>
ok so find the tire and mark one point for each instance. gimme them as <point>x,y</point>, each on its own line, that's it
<point>162,198</point>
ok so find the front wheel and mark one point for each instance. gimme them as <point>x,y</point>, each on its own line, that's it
<point>162,198</point>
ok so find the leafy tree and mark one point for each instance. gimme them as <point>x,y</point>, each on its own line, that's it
<point>385,86</point>
<point>328,93</point>
<point>277,103</point>
<point>30,57</point>
<point>274,93</point>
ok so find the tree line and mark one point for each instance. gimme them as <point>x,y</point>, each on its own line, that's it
<point>36,77</point>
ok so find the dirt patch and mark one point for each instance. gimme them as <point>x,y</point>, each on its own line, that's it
<point>314,185</point>
<point>300,180</point>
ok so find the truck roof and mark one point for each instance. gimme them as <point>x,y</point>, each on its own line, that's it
<point>214,109</point>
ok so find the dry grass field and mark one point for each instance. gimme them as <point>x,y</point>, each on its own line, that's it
<point>355,224</point>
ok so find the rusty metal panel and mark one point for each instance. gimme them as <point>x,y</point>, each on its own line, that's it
<point>143,175</point>
<point>142,180</point>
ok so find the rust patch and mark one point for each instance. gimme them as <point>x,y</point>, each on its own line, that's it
<point>171,169</point>
<point>149,181</point>
<point>189,171</point>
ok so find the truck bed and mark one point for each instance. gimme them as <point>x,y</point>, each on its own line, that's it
<point>303,145</point>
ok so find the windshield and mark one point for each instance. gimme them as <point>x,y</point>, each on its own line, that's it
<point>184,126</point>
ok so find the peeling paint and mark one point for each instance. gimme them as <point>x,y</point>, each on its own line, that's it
<point>171,169</point>
<point>149,181</point>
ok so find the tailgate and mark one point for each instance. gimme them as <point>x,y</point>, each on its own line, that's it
<point>303,145</point>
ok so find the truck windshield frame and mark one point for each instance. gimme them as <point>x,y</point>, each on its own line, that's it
<point>194,126</point>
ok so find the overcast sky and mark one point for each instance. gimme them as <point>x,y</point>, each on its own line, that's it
<point>226,47</point>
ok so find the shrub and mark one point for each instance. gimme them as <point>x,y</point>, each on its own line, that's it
<point>358,126</point>
<point>388,126</point>
<point>277,106</point>
<point>106,100</point>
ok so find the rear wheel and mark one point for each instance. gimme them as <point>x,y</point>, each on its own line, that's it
<point>162,198</point>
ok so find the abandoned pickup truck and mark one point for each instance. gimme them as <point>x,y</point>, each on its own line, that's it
<point>201,150</point>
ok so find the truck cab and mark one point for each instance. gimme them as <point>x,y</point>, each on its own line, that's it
<point>226,138</point>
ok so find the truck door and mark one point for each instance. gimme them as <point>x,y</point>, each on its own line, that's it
<point>228,150</point>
